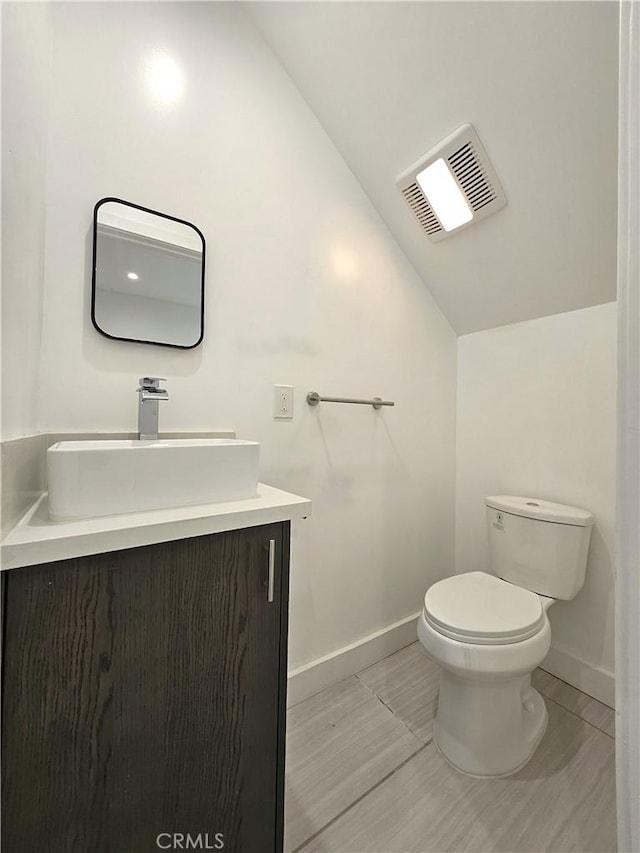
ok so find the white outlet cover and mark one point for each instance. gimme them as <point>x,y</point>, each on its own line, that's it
<point>283,402</point>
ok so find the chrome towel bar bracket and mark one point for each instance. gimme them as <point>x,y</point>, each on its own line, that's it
<point>313,398</point>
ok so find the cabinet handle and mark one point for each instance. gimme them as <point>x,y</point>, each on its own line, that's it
<point>272,569</point>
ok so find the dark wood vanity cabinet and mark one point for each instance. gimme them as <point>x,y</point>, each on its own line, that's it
<point>144,698</point>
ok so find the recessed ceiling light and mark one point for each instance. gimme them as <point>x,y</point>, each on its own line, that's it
<point>133,275</point>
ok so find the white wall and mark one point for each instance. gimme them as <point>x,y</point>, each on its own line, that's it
<point>26,48</point>
<point>304,286</point>
<point>536,415</point>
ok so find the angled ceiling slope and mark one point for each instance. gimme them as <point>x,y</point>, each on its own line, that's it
<point>538,81</point>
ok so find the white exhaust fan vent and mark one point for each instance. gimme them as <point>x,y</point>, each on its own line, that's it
<point>452,186</point>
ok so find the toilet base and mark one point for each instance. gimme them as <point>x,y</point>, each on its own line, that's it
<point>488,728</point>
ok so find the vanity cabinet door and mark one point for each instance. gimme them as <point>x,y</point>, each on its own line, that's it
<point>144,697</point>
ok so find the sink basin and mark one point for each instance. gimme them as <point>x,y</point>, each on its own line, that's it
<point>94,478</point>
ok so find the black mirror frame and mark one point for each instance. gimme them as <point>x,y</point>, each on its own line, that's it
<point>93,275</point>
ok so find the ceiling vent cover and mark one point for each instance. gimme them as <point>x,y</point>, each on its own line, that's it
<point>472,172</point>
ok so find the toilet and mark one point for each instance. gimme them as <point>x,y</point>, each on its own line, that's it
<point>488,630</point>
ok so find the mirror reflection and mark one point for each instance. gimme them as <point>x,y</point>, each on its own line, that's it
<point>148,276</point>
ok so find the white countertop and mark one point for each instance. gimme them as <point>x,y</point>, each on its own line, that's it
<point>36,539</point>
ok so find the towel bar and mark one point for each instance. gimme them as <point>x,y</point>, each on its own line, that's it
<point>313,398</point>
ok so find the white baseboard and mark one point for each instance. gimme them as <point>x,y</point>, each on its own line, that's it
<point>592,680</point>
<point>315,676</point>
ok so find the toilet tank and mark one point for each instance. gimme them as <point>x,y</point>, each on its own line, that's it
<point>538,545</point>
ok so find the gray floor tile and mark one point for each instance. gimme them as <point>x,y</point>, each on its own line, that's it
<point>594,712</point>
<point>340,743</point>
<point>563,800</point>
<point>407,682</point>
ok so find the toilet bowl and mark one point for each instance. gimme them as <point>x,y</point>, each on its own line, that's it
<point>489,720</point>
<point>489,630</point>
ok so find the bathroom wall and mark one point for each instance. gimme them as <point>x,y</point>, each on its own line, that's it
<point>26,54</point>
<point>536,415</point>
<point>304,284</point>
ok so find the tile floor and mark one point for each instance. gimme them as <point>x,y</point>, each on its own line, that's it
<point>364,775</point>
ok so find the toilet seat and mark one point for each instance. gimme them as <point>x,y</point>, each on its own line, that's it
<point>482,609</point>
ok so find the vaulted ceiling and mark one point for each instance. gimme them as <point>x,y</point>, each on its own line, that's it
<point>538,80</point>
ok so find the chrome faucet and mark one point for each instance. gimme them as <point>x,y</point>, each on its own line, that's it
<point>150,395</point>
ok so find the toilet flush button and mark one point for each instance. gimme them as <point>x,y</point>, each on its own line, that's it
<point>529,706</point>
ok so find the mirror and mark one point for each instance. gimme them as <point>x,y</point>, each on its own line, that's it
<point>148,276</point>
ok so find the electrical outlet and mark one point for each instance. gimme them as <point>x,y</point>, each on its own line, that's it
<point>282,401</point>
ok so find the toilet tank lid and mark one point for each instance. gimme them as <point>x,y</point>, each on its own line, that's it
<point>540,510</point>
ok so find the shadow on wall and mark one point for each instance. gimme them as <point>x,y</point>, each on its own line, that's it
<point>596,600</point>
<point>337,479</point>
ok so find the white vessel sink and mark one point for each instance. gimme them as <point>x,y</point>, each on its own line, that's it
<point>94,478</point>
